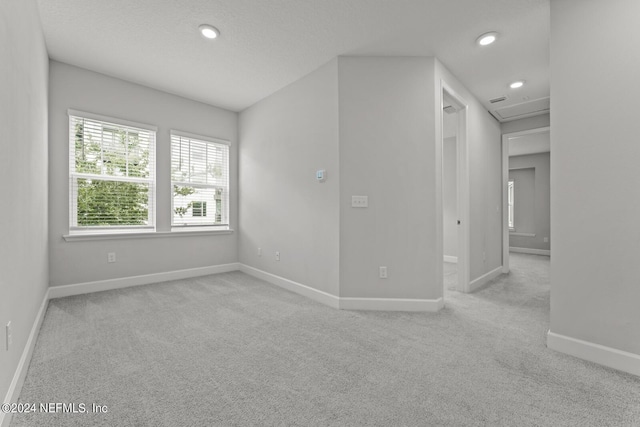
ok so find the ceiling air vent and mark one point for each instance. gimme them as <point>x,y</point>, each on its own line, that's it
<point>500,99</point>
<point>449,109</point>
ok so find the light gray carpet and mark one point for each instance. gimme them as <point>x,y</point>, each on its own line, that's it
<point>231,350</point>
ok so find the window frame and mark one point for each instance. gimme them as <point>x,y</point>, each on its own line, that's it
<point>111,123</point>
<point>511,217</point>
<point>224,200</point>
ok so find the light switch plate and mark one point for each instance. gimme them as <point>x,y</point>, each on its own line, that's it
<point>359,201</point>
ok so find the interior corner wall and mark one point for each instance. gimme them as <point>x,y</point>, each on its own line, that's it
<point>594,172</point>
<point>387,152</point>
<point>538,198</point>
<point>23,169</point>
<point>86,261</point>
<point>284,140</point>
<point>484,150</point>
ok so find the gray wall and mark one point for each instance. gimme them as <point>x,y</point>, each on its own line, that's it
<point>285,138</point>
<point>534,122</point>
<point>23,169</point>
<point>532,196</point>
<point>485,178</point>
<point>524,199</point>
<point>388,152</point>
<point>78,262</point>
<point>371,123</point>
<point>449,197</point>
<point>594,172</point>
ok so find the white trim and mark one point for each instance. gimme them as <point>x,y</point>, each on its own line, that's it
<point>545,252</point>
<point>514,233</point>
<point>189,135</point>
<point>125,282</point>
<point>23,366</point>
<point>607,356</point>
<point>391,304</point>
<point>83,237</point>
<point>451,259</point>
<point>525,167</point>
<point>304,290</point>
<point>505,204</point>
<point>112,120</point>
<point>484,279</point>
<point>342,303</point>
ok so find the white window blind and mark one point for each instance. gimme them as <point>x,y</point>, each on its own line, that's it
<point>111,174</point>
<point>199,180</point>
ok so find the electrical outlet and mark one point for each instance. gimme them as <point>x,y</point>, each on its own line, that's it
<point>359,201</point>
<point>277,256</point>
<point>383,272</point>
<point>111,257</point>
<point>8,336</point>
<point>259,251</point>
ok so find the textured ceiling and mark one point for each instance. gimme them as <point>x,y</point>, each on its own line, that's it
<point>265,45</point>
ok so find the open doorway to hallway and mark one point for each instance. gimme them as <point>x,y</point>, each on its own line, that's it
<point>526,193</point>
<point>449,193</point>
<point>455,192</point>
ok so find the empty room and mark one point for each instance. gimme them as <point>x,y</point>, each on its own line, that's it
<point>319,213</point>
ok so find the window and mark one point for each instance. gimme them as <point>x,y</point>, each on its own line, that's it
<point>200,180</point>
<point>111,174</point>
<point>199,208</point>
<point>510,187</point>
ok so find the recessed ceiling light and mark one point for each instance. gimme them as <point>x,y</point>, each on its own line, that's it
<point>208,31</point>
<point>516,85</point>
<point>487,38</point>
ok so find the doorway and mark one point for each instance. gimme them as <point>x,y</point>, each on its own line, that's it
<point>525,193</point>
<point>454,192</point>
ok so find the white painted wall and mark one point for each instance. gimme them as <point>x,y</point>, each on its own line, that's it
<point>594,172</point>
<point>78,262</point>
<point>532,212</point>
<point>23,171</point>
<point>388,152</point>
<point>449,196</point>
<point>485,177</point>
<point>285,138</point>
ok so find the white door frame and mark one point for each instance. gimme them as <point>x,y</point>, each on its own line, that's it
<point>505,185</point>
<point>462,172</point>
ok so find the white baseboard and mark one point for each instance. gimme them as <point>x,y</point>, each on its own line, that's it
<point>304,290</point>
<point>391,304</point>
<point>23,365</point>
<point>530,251</point>
<point>607,356</point>
<point>451,258</point>
<point>484,279</point>
<point>386,304</point>
<point>125,282</point>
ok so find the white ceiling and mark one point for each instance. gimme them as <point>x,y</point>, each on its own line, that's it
<point>265,45</point>
<point>532,143</point>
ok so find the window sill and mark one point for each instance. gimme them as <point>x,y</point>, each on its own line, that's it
<point>85,237</point>
<point>511,233</point>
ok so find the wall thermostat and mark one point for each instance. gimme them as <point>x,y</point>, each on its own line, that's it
<point>321,175</point>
